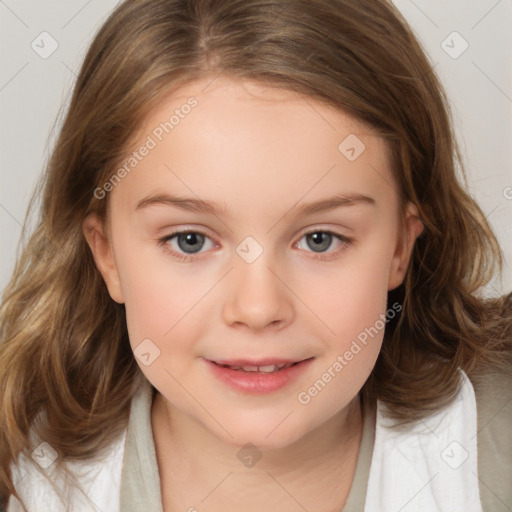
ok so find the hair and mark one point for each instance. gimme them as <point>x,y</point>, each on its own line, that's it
<point>64,348</point>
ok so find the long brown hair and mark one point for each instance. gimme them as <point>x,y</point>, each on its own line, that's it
<point>64,345</point>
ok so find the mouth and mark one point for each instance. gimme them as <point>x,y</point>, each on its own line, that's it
<point>258,377</point>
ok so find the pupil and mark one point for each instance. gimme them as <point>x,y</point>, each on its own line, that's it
<point>322,240</point>
<point>190,241</point>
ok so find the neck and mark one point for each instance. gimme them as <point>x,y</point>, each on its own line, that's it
<point>207,469</point>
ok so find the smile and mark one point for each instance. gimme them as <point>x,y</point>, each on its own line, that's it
<point>257,377</point>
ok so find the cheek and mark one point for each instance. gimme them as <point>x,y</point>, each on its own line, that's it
<point>354,306</point>
<point>158,299</point>
<point>352,295</point>
<point>156,292</point>
<point>163,316</point>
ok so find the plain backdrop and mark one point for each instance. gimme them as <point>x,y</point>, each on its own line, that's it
<point>469,43</point>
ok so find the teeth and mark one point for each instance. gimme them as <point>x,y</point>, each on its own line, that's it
<point>248,368</point>
<point>262,369</point>
<point>267,369</point>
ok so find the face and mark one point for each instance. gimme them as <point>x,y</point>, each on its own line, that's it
<point>256,230</point>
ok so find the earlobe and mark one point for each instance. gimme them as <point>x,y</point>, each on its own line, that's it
<point>94,232</point>
<point>413,227</point>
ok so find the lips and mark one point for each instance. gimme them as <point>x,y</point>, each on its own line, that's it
<point>258,377</point>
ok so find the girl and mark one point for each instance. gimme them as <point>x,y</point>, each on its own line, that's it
<point>255,280</point>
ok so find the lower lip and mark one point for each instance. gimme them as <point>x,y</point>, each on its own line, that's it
<point>258,383</point>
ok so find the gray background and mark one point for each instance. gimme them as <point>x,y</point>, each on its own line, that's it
<point>478,81</point>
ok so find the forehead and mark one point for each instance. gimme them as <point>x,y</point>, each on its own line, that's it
<point>211,139</point>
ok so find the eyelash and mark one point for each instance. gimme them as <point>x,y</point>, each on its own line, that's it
<point>346,242</point>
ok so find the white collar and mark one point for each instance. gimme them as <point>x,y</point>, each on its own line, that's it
<point>431,467</point>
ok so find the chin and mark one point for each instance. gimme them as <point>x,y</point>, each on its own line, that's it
<point>265,435</point>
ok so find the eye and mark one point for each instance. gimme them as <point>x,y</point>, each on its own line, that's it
<point>321,240</point>
<point>184,244</point>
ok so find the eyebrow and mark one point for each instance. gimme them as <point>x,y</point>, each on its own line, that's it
<point>213,208</point>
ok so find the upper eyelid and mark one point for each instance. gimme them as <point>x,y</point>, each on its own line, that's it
<point>303,232</point>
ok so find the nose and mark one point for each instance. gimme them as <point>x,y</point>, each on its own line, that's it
<point>256,297</point>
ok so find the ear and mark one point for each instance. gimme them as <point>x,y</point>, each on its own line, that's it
<point>94,231</point>
<point>412,228</point>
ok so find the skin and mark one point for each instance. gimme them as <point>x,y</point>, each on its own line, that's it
<point>262,153</point>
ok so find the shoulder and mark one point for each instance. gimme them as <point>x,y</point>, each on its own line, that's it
<point>493,393</point>
<point>82,486</point>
